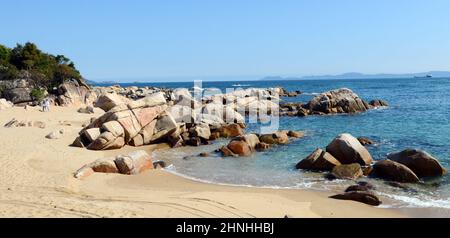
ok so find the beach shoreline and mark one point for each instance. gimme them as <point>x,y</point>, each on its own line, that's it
<point>37,181</point>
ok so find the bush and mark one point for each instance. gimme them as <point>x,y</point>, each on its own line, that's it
<point>38,94</point>
<point>49,70</point>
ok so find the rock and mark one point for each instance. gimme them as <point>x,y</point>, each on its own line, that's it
<point>240,148</point>
<point>357,187</point>
<point>159,164</point>
<point>134,163</point>
<point>231,130</point>
<point>318,160</point>
<point>251,139</point>
<point>114,127</point>
<point>165,126</point>
<point>204,154</point>
<point>367,170</point>
<point>303,112</point>
<point>137,141</point>
<point>19,95</point>
<point>106,165</point>
<point>275,138</point>
<point>227,152</point>
<point>91,134</point>
<point>365,141</point>
<point>378,103</point>
<point>359,196</point>
<point>83,172</point>
<point>347,171</point>
<point>214,135</point>
<point>194,141</point>
<point>201,131</point>
<point>183,114</point>
<point>4,104</point>
<point>87,110</point>
<point>393,171</point>
<point>75,92</point>
<point>341,100</point>
<point>347,149</point>
<point>420,162</point>
<point>175,141</point>
<point>78,143</point>
<point>107,141</point>
<point>262,146</point>
<point>296,134</point>
<point>155,99</point>
<point>53,136</point>
<point>110,100</point>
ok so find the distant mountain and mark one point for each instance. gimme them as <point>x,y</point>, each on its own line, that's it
<point>355,75</point>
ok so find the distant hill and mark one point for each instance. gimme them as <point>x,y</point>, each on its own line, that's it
<point>355,75</point>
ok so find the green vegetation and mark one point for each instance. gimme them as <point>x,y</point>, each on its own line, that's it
<point>46,70</point>
<point>38,94</point>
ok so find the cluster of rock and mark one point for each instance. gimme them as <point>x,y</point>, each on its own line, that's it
<point>346,158</point>
<point>361,192</point>
<point>71,92</point>
<point>336,101</point>
<point>24,123</point>
<point>175,117</point>
<point>245,145</point>
<point>133,163</point>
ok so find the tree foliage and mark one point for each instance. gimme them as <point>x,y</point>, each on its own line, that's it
<point>46,70</point>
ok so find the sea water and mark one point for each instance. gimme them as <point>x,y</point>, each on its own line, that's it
<point>418,117</point>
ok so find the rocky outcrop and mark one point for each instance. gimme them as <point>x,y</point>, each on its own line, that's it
<point>318,160</point>
<point>19,91</point>
<point>133,163</point>
<point>378,103</point>
<point>347,149</point>
<point>420,162</point>
<point>76,93</point>
<point>341,100</point>
<point>393,171</point>
<point>276,138</point>
<point>136,123</point>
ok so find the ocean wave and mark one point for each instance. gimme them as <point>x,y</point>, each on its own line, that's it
<point>418,202</point>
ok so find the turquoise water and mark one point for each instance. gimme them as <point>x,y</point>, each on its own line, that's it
<point>418,117</point>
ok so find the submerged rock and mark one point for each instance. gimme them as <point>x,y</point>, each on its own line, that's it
<point>365,141</point>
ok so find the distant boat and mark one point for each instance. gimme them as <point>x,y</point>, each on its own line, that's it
<point>240,85</point>
<point>426,76</point>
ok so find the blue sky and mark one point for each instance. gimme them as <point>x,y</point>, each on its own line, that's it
<point>133,40</point>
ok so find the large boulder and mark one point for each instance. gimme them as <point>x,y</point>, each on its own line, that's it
<point>393,171</point>
<point>19,95</point>
<point>420,162</point>
<point>318,160</point>
<point>201,131</point>
<point>347,149</point>
<point>240,148</point>
<point>231,130</point>
<point>347,171</point>
<point>75,92</point>
<point>110,100</point>
<point>251,139</point>
<point>165,126</point>
<point>341,100</point>
<point>134,163</point>
<point>226,113</point>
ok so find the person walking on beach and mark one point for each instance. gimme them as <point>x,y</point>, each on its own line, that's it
<point>46,105</point>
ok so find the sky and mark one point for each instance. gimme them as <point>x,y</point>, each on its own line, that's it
<point>176,39</point>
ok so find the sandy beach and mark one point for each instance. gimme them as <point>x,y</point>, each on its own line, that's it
<point>36,180</point>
